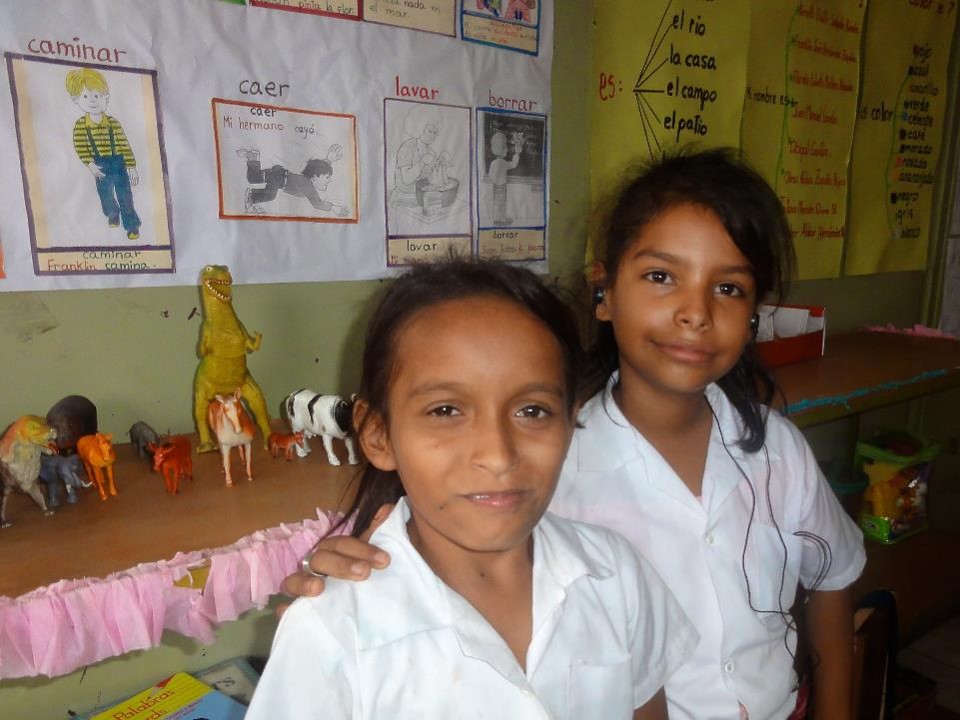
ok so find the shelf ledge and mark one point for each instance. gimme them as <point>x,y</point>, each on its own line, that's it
<point>56,629</point>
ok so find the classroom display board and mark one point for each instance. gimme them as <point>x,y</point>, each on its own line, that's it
<point>853,162</point>
<point>799,114</point>
<point>668,73</point>
<point>899,135</point>
<point>291,141</point>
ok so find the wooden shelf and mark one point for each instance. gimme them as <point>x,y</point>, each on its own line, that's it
<point>94,538</point>
<point>868,370</point>
<point>918,570</point>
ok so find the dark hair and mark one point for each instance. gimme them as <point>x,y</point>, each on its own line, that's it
<point>426,286</point>
<point>315,167</point>
<point>717,180</point>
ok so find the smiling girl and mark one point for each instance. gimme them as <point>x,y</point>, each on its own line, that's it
<point>489,608</point>
<point>679,451</point>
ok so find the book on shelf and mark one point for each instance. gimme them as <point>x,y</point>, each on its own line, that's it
<point>178,697</point>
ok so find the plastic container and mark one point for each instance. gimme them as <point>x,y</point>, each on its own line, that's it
<point>896,467</point>
<point>847,483</point>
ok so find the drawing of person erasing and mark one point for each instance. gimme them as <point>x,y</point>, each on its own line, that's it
<point>308,184</point>
<point>102,146</point>
<point>498,173</point>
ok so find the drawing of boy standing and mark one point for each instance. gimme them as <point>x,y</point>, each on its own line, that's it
<point>103,147</point>
<point>499,167</point>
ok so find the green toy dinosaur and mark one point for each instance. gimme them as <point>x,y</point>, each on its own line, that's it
<point>224,344</point>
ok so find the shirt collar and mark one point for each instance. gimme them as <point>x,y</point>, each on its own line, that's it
<point>607,440</point>
<point>409,598</point>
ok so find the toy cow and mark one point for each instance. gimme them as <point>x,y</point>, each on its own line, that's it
<point>62,471</point>
<point>329,416</point>
<point>98,455</point>
<point>141,437</point>
<point>172,459</point>
<point>280,443</point>
<point>233,427</point>
<point>20,449</point>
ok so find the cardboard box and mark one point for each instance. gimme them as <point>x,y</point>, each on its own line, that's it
<point>791,333</point>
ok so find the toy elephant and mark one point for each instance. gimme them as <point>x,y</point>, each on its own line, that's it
<point>61,471</point>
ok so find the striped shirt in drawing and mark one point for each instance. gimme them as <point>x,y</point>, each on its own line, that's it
<point>93,140</point>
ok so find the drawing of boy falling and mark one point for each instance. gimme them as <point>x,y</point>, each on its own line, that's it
<point>498,174</point>
<point>103,147</point>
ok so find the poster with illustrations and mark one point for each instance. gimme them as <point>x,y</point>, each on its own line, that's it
<point>512,171</point>
<point>334,8</point>
<point>291,140</point>
<point>285,164</point>
<point>436,16</point>
<point>428,180</point>
<point>510,24</point>
<point>94,172</point>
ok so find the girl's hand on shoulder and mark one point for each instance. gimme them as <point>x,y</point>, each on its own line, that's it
<point>341,556</point>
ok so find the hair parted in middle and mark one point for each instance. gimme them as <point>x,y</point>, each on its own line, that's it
<point>717,180</point>
<point>426,286</point>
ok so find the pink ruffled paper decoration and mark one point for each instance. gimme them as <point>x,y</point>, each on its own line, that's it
<point>56,629</point>
<point>918,330</point>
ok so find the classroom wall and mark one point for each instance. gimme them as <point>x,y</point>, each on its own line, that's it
<point>133,352</point>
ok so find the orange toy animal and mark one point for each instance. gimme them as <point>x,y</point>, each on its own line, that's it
<point>97,454</point>
<point>233,427</point>
<point>280,443</point>
<point>172,459</point>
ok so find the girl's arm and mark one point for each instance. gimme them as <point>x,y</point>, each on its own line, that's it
<point>830,628</point>
<point>654,709</point>
<point>340,556</point>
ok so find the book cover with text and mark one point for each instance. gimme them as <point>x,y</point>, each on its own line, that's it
<point>178,697</point>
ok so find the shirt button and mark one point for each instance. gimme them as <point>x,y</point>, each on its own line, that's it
<point>711,539</point>
<point>729,667</point>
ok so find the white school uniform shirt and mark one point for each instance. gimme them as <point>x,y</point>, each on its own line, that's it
<point>606,635</point>
<point>615,478</point>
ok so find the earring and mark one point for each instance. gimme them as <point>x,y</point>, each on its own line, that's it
<point>755,324</point>
<point>598,293</point>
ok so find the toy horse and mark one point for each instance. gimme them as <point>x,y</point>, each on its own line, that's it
<point>233,427</point>
<point>172,459</point>
<point>280,443</point>
<point>97,454</point>
<point>20,449</point>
